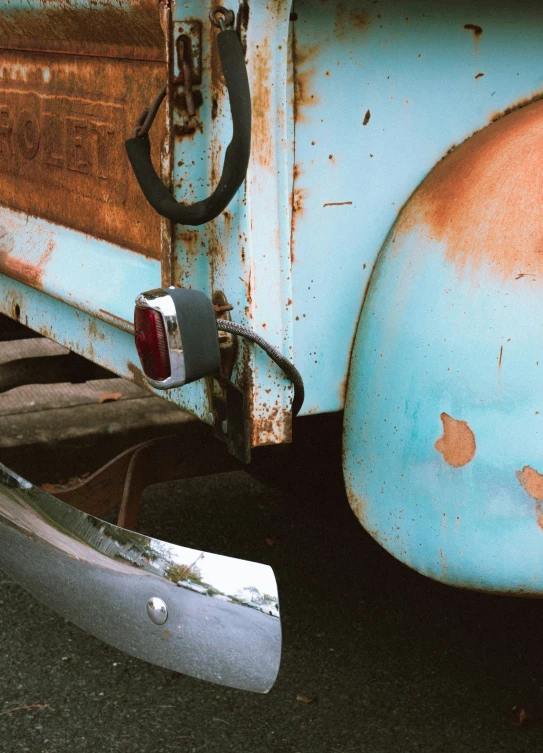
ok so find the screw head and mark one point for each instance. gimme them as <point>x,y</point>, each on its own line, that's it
<point>224,427</point>
<point>157,610</point>
<point>212,418</point>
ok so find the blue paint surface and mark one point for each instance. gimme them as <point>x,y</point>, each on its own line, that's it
<point>83,333</point>
<point>90,274</point>
<point>443,334</point>
<point>413,66</point>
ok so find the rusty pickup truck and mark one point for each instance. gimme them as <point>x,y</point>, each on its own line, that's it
<point>263,212</point>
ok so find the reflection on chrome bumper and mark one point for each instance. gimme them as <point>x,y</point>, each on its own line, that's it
<point>205,615</point>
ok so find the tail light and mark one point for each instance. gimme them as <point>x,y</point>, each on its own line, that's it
<point>152,344</point>
<point>176,336</point>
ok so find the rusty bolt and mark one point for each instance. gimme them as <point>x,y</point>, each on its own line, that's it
<point>223,308</point>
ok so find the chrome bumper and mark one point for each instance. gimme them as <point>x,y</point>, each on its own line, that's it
<point>121,587</point>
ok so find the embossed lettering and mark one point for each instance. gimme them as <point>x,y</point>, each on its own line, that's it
<point>104,148</point>
<point>6,128</point>
<point>78,146</point>
<point>28,134</point>
<point>53,140</point>
<point>65,143</point>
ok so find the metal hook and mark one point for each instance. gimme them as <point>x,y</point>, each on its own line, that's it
<point>147,117</point>
<point>237,155</point>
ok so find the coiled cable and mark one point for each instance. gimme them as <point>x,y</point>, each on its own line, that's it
<point>288,368</point>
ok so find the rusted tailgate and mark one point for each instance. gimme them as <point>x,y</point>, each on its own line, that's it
<point>73,78</point>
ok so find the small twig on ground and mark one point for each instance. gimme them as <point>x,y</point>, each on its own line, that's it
<point>28,708</point>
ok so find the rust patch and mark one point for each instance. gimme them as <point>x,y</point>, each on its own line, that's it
<point>242,22</point>
<point>532,482</point>
<point>304,95</point>
<point>298,197</point>
<point>94,332</point>
<point>457,445</point>
<point>342,390</point>
<point>360,19</point>
<point>305,71</point>
<point>180,103</point>
<point>20,270</point>
<point>346,20</point>
<point>479,75</point>
<point>227,222</point>
<point>118,321</point>
<point>106,31</point>
<point>264,430</point>
<point>262,105</point>
<point>189,239</point>
<point>47,253</point>
<point>63,122</point>
<point>7,241</point>
<point>340,22</point>
<point>183,131</point>
<point>516,106</point>
<point>367,117</point>
<point>500,358</point>
<point>475,28</point>
<point>483,200</point>
<point>136,376</point>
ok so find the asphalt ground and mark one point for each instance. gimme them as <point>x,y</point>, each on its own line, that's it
<point>375,657</point>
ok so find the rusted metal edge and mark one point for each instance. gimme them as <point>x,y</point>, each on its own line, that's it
<point>140,53</point>
<point>102,314</point>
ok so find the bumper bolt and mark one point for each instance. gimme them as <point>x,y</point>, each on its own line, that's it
<point>157,611</point>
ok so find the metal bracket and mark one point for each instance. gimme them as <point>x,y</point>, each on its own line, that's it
<point>231,424</point>
<point>188,43</point>
<point>187,63</point>
<point>120,482</point>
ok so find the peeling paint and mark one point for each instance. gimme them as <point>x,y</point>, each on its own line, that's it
<point>457,445</point>
<point>477,201</point>
<point>20,270</point>
<point>532,481</point>
<point>262,144</point>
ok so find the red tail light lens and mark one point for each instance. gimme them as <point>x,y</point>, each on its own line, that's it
<point>152,344</point>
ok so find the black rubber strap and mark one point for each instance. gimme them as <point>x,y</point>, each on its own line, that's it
<point>236,160</point>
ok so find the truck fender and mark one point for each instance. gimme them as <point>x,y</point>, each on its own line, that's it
<point>443,427</point>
